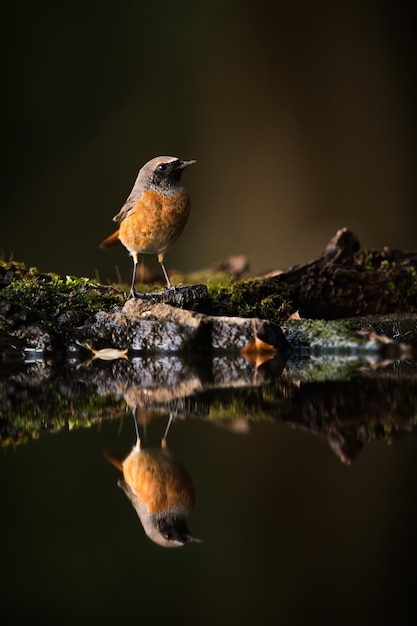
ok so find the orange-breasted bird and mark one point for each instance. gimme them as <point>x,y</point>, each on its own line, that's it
<point>155,213</point>
<point>161,491</point>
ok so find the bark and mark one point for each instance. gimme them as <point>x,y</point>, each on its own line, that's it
<point>344,281</point>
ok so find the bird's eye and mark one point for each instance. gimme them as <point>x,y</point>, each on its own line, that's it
<point>162,167</point>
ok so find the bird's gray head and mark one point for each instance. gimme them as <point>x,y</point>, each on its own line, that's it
<point>161,173</point>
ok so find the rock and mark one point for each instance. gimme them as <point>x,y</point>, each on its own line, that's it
<point>142,326</point>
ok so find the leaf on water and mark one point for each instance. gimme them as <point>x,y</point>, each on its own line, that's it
<point>258,351</point>
<point>107,354</point>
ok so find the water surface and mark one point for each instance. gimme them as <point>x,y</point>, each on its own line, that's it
<point>292,532</point>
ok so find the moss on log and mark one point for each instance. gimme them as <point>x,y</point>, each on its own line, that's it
<point>43,309</point>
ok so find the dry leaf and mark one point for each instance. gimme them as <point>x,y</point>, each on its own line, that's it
<point>106,354</point>
<point>258,351</point>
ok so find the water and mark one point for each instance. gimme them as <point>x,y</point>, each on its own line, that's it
<point>292,534</point>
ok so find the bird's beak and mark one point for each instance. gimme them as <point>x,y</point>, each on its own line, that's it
<point>185,164</point>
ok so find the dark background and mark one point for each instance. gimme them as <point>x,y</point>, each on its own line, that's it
<point>301,117</point>
<point>291,535</point>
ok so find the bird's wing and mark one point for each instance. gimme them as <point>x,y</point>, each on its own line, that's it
<point>124,211</point>
<point>128,206</point>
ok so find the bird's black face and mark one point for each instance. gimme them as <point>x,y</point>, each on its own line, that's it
<point>169,166</point>
<point>167,174</point>
<point>173,528</point>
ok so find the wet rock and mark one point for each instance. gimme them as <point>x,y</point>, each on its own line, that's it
<point>143,326</point>
<point>398,326</point>
<point>21,329</point>
<point>236,332</point>
<point>239,372</point>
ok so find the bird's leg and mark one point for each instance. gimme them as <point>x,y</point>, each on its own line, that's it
<point>161,260</point>
<point>132,293</point>
<point>137,445</point>
<point>164,438</point>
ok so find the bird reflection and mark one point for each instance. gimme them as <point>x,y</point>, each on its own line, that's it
<point>160,489</point>
<point>345,444</point>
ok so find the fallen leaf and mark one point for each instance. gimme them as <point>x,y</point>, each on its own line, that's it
<point>258,351</point>
<point>106,354</point>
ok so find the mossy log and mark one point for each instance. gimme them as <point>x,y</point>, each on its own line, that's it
<point>344,281</point>
<point>48,312</point>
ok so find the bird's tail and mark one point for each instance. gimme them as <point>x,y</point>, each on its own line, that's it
<point>109,241</point>
<point>113,459</point>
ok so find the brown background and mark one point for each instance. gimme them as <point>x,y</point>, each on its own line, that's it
<point>300,116</point>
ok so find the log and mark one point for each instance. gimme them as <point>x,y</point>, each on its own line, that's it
<point>49,313</point>
<point>344,281</point>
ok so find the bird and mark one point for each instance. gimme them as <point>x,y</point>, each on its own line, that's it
<point>155,212</point>
<point>160,489</point>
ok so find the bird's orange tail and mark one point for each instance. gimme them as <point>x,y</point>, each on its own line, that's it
<point>113,459</point>
<point>109,241</point>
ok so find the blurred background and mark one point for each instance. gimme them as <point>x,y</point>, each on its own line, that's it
<point>301,117</point>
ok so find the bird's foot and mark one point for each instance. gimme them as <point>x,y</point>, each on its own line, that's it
<point>133,294</point>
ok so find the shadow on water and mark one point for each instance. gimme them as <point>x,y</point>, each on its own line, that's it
<point>293,526</point>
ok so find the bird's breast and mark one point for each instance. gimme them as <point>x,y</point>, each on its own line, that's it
<point>159,480</point>
<point>155,222</point>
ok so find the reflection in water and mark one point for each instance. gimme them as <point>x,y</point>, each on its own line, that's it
<point>346,444</point>
<point>160,489</point>
<point>350,402</point>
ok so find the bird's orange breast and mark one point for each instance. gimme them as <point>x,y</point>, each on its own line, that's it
<point>159,480</point>
<point>155,222</point>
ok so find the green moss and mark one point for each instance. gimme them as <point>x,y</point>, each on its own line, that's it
<point>402,283</point>
<point>258,403</point>
<point>53,295</point>
<point>328,337</point>
<point>399,280</point>
<point>388,429</point>
<point>50,411</point>
<point>231,296</point>
<point>214,279</point>
<point>218,282</point>
<point>406,287</point>
<point>322,369</point>
<point>17,269</point>
<point>387,266</point>
<point>376,262</point>
<point>253,298</point>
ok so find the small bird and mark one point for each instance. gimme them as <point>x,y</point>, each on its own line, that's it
<point>160,489</point>
<point>155,213</point>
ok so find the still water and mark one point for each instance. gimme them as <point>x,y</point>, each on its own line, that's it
<point>305,503</point>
